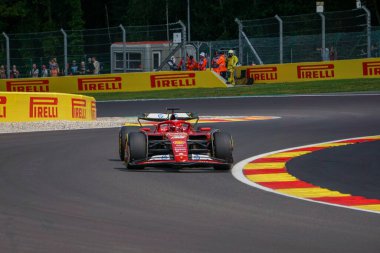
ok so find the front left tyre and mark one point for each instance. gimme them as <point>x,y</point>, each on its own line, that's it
<point>222,147</point>
<point>136,149</point>
<point>122,142</point>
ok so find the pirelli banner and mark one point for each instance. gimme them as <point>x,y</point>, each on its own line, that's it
<point>313,71</point>
<point>147,81</point>
<point>32,106</point>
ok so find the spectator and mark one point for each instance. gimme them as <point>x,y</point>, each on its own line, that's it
<point>54,67</point>
<point>221,63</point>
<point>44,71</point>
<point>202,65</point>
<point>181,65</point>
<point>90,66</point>
<point>3,72</point>
<point>325,54</point>
<point>14,72</point>
<point>96,65</point>
<point>74,68</point>
<point>54,64</point>
<point>82,68</point>
<point>172,64</point>
<point>232,61</point>
<point>214,64</point>
<point>54,71</point>
<point>34,72</point>
<point>332,54</point>
<point>191,64</point>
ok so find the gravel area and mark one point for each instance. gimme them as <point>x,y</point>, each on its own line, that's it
<point>54,125</point>
<point>104,122</point>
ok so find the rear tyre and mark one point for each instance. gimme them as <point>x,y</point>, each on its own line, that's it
<point>136,149</point>
<point>223,147</point>
<point>122,141</point>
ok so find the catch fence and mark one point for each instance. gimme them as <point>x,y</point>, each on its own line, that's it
<point>280,39</point>
<point>308,37</point>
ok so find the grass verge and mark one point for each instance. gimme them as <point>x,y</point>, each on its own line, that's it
<point>314,87</point>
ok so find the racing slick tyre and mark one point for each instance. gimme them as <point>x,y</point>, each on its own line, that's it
<point>137,149</point>
<point>223,149</point>
<point>122,141</point>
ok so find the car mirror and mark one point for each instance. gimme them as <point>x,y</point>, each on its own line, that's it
<point>205,128</point>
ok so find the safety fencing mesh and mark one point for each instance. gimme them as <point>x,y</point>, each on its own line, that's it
<point>375,41</point>
<point>344,35</point>
<point>40,48</point>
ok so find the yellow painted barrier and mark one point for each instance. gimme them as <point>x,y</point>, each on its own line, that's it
<point>33,106</point>
<point>122,82</point>
<point>150,81</point>
<point>313,71</point>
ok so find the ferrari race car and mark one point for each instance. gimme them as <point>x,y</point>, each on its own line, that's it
<point>173,141</point>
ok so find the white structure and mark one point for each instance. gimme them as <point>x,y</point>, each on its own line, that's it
<point>143,56</point>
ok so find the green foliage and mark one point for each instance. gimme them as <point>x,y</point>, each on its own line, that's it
<point>210,19</point>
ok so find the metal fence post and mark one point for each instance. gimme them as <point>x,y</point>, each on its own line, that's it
<point>240,27</point>
<point>124,53</point>
<point>210,56</point>
<point>8,55</point>
<point>184,44</point>
<point>323,50</point>
<point>197,45</point>
<point>368,13</point>
<point>249,43</point>
<point>280,23</point>
<point>65,49</point>
<point>188,19</point>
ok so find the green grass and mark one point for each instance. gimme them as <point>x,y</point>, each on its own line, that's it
<point>333,86</point>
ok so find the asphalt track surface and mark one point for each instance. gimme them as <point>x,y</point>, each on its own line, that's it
<point>342,169</point>
<point>67,191</point>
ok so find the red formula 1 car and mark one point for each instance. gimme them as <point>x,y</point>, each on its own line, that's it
<point>175,142</point>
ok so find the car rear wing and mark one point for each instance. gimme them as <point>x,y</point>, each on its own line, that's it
<point>159,117</point>
<point>168,116</point>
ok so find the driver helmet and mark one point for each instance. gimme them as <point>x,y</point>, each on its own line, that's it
<point>172,128</point>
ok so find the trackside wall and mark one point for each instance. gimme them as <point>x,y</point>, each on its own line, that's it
<point>313,71</point>
<point>33,106</point>
<point>166,80</point>
<point>122,82</point>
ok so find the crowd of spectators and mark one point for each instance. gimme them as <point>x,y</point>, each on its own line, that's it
<point>217,63</point>
<point>92,67</point>
<point>222,63</point>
